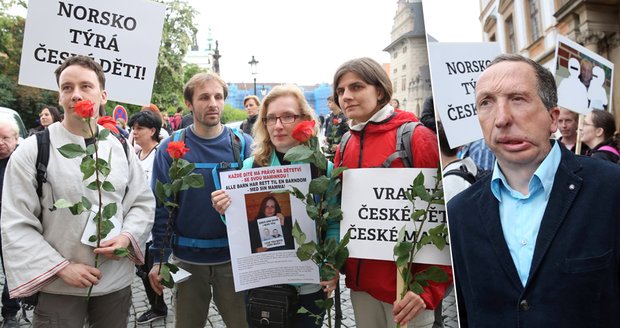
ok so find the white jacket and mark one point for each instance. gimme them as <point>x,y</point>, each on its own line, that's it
<point>34,251</point>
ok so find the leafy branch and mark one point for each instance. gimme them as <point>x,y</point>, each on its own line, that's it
<point>91,165</point>
<point>322,207</point>
<point>181,178</point>
<point>408,246</point>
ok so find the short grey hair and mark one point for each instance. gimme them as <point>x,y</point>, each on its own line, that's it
<point>5,120</point>
<point>547,90</point>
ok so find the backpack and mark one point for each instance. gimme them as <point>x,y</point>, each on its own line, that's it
<point>403,145</point>
<point>464,173</point>
<point>609,149</point>
<point>175,122</point>
<point>43,156</point>
<point>238,145</point>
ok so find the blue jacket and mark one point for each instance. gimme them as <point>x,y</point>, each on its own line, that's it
<point>574,280</point>
<point>196,218</point>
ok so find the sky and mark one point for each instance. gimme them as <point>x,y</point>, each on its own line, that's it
<point>304,42</point>
<point>300,42</point>
<point>458,24</point>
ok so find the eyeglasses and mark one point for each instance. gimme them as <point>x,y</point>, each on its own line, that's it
<point>285,119</point>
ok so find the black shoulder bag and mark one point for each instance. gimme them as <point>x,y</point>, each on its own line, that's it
<point>272,306</point>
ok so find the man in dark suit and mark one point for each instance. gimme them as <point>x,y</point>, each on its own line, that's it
<point>537,242</point>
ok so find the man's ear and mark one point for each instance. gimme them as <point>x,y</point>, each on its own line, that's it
<point>554,113</point>
<point>104,97</point>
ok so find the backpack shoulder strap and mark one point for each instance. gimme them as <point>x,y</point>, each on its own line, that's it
<point>43,156</point>
<point>462,172</point>
<point>610,149</point>
<point>238,145</point>
<point>403,145</point>
<point>179,135</point>
<point>123,142</point>
<point>343,143</point>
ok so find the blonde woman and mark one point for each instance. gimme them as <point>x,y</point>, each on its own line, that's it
<point>282,110</point>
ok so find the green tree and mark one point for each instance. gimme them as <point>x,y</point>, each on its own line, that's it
<point>231,114</point>
<point>190,70</point>
<point>176,39</point>
<point>27,101</point>
<point>177,35</point>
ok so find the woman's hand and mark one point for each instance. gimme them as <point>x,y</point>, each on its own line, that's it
<point>281,217</point>
<point>408,308</point>
<point>220,200</point>
<point>330,285</point>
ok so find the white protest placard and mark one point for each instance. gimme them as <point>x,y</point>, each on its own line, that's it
<point>122,35</point>
<point>584,78</point>
<point>455,68</point>
<point>259,223</point>
<point>375,208</point>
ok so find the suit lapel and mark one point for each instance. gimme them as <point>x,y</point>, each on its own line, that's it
<point>566,186</point>
<point>489,217</point>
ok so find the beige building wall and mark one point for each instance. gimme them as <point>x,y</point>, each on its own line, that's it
<point>595,24</point>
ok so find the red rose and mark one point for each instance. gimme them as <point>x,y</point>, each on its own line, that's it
<point>303,131</point>
<point>84,108</point>
<point>336,121</point>
<point>177,149</point>
<point>108,123</point>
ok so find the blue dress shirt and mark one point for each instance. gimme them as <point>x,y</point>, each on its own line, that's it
<point>521,215</point>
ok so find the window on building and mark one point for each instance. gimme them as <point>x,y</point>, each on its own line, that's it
<point>404,49</point>
<point>394,85</point>
<point>404,67</point>
<point>403,84</point>
<point>395,54</point>
<point>490,27</point>
<point>534,15</point>
<point>395,70</point>
<point>511,42</point>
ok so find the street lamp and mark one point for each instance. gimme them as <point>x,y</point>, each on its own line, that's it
<point>253,64</point>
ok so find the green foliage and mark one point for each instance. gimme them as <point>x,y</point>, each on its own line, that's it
<point>121,252</point>
<point>181,178</point>
<point>190,70</point>
<point>164,272</point>
<point>300,153</point>
<point>27,101</point>
<point>101,169</point>
<point>309,153</point>
<point>405,251</point>
<point>233,115</point>
<point>328,254</point>
<point>178,31</point>
<point>71,150</point>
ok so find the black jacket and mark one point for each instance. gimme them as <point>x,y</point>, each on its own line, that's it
<point>574,279</point>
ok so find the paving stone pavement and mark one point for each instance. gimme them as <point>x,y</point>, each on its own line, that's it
<point>140,305</point>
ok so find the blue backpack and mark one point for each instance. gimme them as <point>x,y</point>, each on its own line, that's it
<point>238,146</point>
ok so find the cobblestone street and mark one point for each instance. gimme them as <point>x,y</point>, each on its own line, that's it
<point>140,305</point>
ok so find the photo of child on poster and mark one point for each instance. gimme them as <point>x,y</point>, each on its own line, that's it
<point>269,221</point>
<point>584,78</point>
